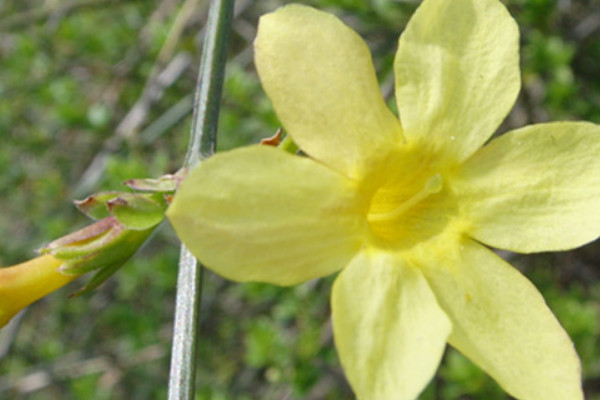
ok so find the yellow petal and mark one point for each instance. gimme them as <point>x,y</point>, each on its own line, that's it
<point>501,322</point>
<point>534,189</point>
<point>320,77</point>
<point>457,73</point>
<point>389,330</point>
<point>22,284</point>
<point>260,214</point>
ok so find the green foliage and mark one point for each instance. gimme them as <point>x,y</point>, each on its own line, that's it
<point>67,82</point>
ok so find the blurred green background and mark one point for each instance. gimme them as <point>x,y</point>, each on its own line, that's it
<point>93,92</point>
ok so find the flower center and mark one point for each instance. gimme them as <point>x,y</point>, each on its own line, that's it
<point>432,186</point>
<point>409,211</point>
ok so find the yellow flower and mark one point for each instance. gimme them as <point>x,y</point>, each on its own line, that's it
<point>22,284</point>
<point>405,207</point>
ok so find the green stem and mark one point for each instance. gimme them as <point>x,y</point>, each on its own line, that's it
<point>289,146</point>
<point>203,135</point>
<point>202,145</point>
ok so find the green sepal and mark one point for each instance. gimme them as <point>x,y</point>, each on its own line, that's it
<point>134,210</point>
<point>289,146</point>
<point>96,246</point>
<point>99,277</point>
<point>116,247</point>
<point>164,184</point>
<point>81,242</point>
<point>138,211</point>
<point>108,260</point>
<point>94,206</point>
<point>102,247</point>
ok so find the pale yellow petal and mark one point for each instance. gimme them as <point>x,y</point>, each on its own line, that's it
<point>534,189</point>
<point>457,73</point>
<point>389,329</point>
<point>501,322</point>
<point>260,214</point>
<point>320,78</point>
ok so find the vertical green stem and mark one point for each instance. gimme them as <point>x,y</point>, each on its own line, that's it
<point>202,145</point>
<point>203,135</point>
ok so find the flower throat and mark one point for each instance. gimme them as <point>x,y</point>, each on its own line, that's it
<point>432,186</point>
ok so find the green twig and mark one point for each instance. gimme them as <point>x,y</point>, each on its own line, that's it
<point>202,144</point>
<point>203,137</point>
<point>289,146</point>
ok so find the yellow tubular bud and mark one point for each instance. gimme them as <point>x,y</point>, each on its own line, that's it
<point>22,284</point>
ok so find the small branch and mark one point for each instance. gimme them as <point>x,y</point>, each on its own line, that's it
<point>203,139</point>
<point>202,144</point>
